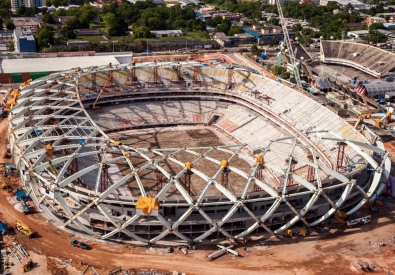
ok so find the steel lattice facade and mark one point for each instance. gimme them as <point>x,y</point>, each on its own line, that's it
<point>54,110</point>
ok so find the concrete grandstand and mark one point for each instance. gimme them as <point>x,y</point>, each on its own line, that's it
<point>366,58</point>
<point>302,163</point>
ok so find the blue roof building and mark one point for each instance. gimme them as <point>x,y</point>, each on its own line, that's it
<point>24,40</point>
<point>267,37</point>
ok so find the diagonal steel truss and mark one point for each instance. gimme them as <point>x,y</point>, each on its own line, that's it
<point>82,139</point>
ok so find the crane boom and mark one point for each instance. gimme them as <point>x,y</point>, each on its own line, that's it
<point>102,90</point>
<point>289,46</point>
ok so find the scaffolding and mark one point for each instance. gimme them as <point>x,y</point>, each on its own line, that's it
<point>340,155</point>
<point>187,181</point>
<point>156,81</point>
<point>111,81</point>
<point>73,168</point>
<point>225,179</point>
<point>230,77</point>
<point>310,170</point>
<point>159,181</point>
<point>290,181</point>
<point>104,177</point>
<point>93,86</point>
<point>196,79</point>
<point>132,81</point>
<point>178,79</point>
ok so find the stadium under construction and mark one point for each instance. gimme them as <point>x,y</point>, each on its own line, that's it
<point>288,160</point>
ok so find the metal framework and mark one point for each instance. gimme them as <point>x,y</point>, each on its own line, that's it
<point>310,170</point>
<point>156,81</point>
<point>85,151</point>
<point>289,45</point>
<point>196,79</point>
<point>230,77</point>
<point>93,86</point>
<point>132,79</point>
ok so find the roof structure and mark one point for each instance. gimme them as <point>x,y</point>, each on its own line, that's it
<point>378,87</point>
<point>55,64</point>
<point>70,147</point>
<point>367,58</point>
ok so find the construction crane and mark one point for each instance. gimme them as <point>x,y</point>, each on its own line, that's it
<point>26,208</point>
<point>94,107</point>
<point>289,46</point>
<point>24,229</point>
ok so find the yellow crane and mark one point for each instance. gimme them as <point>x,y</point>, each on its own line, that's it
<point>24,229</point>
<point>94,107</point>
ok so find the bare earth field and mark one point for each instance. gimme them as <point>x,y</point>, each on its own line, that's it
<point>171,138</point>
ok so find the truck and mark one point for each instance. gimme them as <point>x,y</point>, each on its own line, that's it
<point>24,229</point>
<point>359,221</point>
<point>79,244</point>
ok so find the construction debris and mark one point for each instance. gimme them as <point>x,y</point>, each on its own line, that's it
<point>94,270</point>
<point>15,255</point>
<point>222,250</point>
<point>114,271</point>
<point>21,250</point>
<point>362,266</point>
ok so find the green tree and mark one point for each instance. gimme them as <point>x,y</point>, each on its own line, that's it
<point>68,32</point>
<point>141,32</point>
<point>274,21</point>
<point>255,50</point>
<point>61,12</point>
<point>9,24</point>
<point>11,46</point>
<point>215,21</point>
<point>45,36</point>
<point>86,14</point>
<point>234,30</point>
<point>280,71</point>
<point>223,28</point>
<point>375,26</point>
<point>48,18</point>
<point>118,27</point>
<point>108,19</point>
<point>75,23</point>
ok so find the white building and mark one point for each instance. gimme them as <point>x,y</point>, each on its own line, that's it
<point>357,34</point>
<point>273,2</point>
<point>355,3</point>
<point>166,33</point>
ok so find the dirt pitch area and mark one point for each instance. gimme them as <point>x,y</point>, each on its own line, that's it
<point>190,137</point>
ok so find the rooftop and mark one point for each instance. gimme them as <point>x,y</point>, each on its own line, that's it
<point>167,32</point>
<point>24,33</point>
<point>55,64</point>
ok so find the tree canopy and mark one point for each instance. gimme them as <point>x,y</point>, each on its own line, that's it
<point>45,36</point>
